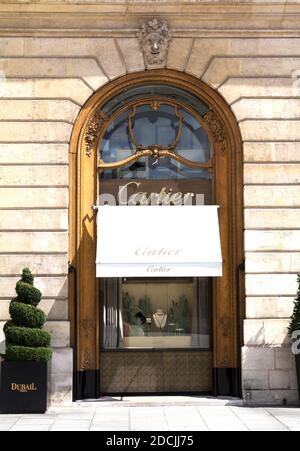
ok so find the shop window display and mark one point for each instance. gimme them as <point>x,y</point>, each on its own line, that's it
<point>163,313</point>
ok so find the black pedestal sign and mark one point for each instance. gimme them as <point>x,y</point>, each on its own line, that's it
<point>23,387</point>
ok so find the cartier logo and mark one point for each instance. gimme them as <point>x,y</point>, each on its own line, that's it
<point>23,388</point>
<point>147,251</point>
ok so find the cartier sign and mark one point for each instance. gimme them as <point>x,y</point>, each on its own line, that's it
<point>155,192</point>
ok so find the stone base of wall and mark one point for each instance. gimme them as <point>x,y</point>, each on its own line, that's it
<point>271,397</point>
<point>61,377</point>
<point>269,375</point>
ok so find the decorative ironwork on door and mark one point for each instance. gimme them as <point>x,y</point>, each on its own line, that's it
<point>154,150</point>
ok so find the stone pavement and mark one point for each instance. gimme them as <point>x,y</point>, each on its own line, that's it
<point>157,414</point>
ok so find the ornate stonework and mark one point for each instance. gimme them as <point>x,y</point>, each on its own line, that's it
<point>95,124</point>
<point>154,37</point>
<point>216,127</point>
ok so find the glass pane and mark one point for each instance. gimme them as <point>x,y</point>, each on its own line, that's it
<point>155,127</point>
<point>152,91</point>
<point>162,313</point>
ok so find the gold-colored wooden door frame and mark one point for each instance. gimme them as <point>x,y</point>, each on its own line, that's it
<point>224,134</point>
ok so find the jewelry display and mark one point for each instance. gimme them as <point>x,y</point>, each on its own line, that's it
<point>160,318</point>
<point>148,325</point>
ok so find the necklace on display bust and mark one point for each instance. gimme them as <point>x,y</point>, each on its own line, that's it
<point>160,318</point>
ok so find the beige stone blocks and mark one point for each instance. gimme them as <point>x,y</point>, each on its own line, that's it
<point>293,380</point>
<point>4,309</point>
<point>217,51</point>
<point>283,173</point>
<point>202,52</point>
<point>237,88</point>
<point>269,375</point>
<point>34,175</point>
<point>12,46</point>
<point>72,89</point>
<point>51,287</point>
<point>61,376</point>
<point>255,379</point>
<point>14,220</point>
<point>266,333</point>
<point>131,54</point>
<point>265,46</point>
<point>266,109</point>
<point>273,397</point>
<point>271,284</point>
<point>276,332</point>
<point>179,53</point>
<point>284,359</point>
<point>87,69</point>
<point>263,218</point>
<point>57,310</point>
<point>103,49</point>
<point>272,196</point>
<point>62,361</point>
<point>54,309</point>
<point>25,110</point>
<point>61,389</point>
<point>272,240</point>
<point>280,262</point>
<point>271,152</point>
<point>27,153</point>
<point>270,130</point>
<point>35,131</point>
<point>60,332</point>
<point>220,68</point>
<point>254,358</point>
<point>33,242</point>
<point>269,307</point>
<point>52,264</point>
<point>279,380</point>
<point>33,198</point>
<point>107,55</point>
<point>254,333</point>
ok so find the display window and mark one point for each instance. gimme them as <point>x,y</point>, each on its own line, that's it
<point>157,313</point>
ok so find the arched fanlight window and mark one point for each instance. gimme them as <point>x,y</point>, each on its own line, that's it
<point>156,133</point>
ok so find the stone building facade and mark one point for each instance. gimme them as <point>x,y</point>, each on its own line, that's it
<point>54,54</point>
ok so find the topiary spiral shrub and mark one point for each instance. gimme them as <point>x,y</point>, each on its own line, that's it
<point>25,341</point>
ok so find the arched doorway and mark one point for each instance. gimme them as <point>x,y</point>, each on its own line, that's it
<point>225,164</point>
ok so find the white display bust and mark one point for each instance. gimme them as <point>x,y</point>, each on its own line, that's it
<point>160,318</point>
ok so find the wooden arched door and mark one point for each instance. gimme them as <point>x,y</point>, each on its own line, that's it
<point>226,165</point>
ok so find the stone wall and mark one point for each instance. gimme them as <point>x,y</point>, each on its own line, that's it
<point>48,73</point>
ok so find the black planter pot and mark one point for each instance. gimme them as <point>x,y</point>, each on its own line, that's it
<point>24,387</point>
<point>297,359</point>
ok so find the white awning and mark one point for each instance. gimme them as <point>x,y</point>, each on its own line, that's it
<point>158,241</point>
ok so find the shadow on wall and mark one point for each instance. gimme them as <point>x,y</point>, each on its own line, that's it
<point>271,334</point>
<point>2,338</point>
